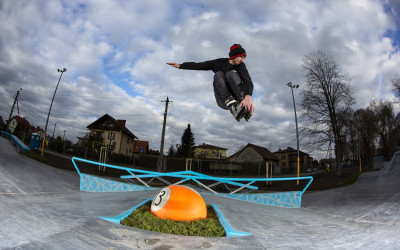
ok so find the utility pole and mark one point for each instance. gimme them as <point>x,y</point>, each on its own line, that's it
<point>12,109</point>
<point>161,160</point>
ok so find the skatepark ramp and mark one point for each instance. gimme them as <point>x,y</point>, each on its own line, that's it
<point>43,208</point>
<point>375,197</point>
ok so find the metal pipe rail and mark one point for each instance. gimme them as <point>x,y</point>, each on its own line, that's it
<point>17,142</point>
<point>191,175</point>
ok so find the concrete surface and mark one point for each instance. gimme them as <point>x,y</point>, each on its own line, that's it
<point>42,208</point>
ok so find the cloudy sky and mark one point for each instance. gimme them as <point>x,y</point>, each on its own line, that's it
<point>116,53</point>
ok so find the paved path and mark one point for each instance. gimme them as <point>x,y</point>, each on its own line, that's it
<point>42,208</point>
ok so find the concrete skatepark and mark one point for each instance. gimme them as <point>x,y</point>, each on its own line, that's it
<point>43,208</point>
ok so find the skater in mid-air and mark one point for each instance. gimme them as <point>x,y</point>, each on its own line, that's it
<point>233,87</point>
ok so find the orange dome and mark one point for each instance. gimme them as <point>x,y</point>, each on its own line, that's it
<point>179,203</point>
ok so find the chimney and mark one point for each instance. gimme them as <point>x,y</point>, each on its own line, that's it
<point>122,122</point>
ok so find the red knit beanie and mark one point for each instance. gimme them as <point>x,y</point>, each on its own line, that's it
<point>236,50</point>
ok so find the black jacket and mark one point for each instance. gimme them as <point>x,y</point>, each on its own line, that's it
<point>222,64</point>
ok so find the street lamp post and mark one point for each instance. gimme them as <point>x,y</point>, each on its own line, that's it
<point>48,115</point>
<point>292,86</point>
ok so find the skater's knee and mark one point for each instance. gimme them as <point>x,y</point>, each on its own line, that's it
<point>219,76</point>
<point>233,77</point>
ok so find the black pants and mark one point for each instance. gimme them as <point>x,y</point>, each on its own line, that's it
<point>226,85</point>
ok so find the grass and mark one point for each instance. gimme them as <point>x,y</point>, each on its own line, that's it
<point>36,157</point>
<point>144,219</point>
<point>349,181</point>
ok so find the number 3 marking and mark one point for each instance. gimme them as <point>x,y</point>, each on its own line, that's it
<point>162,193</point>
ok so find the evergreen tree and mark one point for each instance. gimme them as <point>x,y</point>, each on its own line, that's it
<point>185,149</point>
<point>171,151</point>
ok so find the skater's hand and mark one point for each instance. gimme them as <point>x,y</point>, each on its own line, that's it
<point>174,65</point>
<point>248,105</point>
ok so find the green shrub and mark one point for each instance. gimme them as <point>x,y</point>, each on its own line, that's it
<point>36,157</point>
<point>144,219</point>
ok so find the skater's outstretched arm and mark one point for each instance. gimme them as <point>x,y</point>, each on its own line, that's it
<point>176,65</point>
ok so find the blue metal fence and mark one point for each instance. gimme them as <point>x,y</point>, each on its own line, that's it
<point>284,199</point>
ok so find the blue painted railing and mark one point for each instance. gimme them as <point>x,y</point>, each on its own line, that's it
<point>196,177</point>
<point>19,144</point>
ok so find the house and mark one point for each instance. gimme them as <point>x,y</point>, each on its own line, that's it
<point>207,151</point>
<point>83,141</point>
<point>111,133</point>
<point>17,120</point>
<point>255,159</point>
<point>255,154</point>
<point>288,160</point>
<point>20,127</point>
<point>141,147</point>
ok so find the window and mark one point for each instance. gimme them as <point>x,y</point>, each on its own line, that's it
<point>111,136</point>
<point>112,147</point>
<point>98,135</point>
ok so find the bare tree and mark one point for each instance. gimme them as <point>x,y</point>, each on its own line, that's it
<point>326,103</point>
<point>386,127</point>
<point>396,85</point>
<point>367,131</point>
<point>352,152</point>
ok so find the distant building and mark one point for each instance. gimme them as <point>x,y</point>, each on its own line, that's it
<point>141,147</point>
<point>20,127</point>
<point>253,153</point>
<point>17,120</point>
<point>207,151</point>
<point>288,160</point>
<point>111,133</point>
